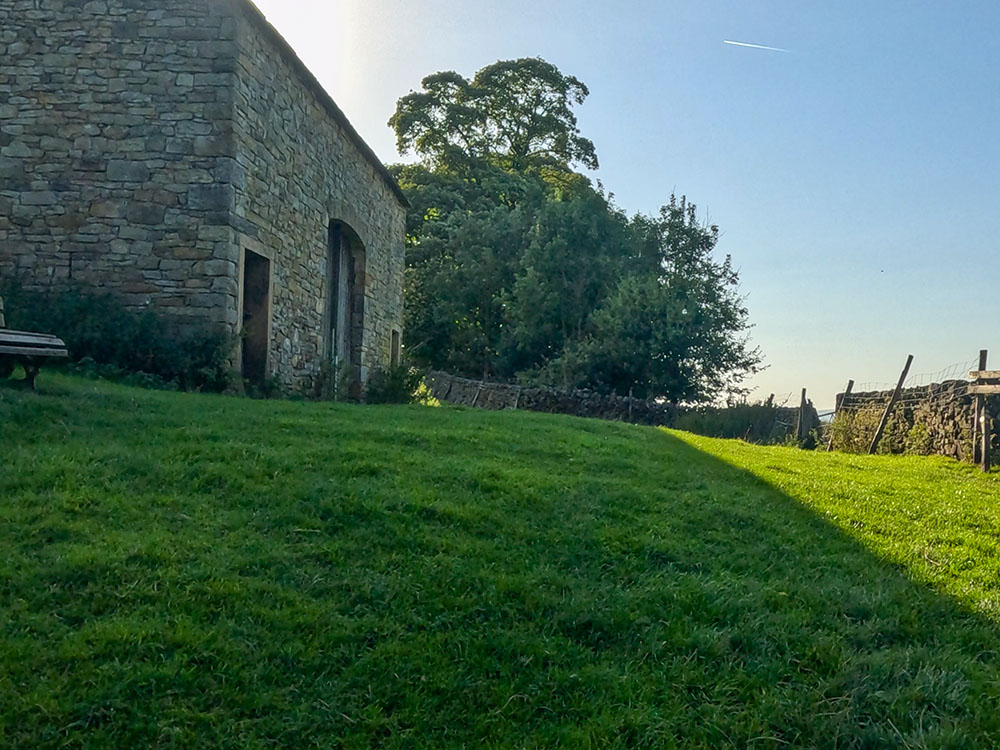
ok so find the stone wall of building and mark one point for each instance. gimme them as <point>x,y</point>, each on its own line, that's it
<point>298,168</point>
<point>146,145</point>
<point>115,122</point>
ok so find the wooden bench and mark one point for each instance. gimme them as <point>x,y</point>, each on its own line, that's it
<point>30,350</point>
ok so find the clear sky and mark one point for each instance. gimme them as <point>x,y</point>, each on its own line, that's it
<point>854,177</point>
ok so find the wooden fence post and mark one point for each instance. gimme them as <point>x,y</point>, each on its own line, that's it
<point>977,446</point>
<point>800,428</point>
<point>839,407</point>
<point>987,434</point>
<point>888,408</point>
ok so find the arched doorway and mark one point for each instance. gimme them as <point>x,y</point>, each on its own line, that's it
<point>345,301</point>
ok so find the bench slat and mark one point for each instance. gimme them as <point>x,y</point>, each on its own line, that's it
<point>27,333</point>
<point>19,337</point>
<point>33,351</point>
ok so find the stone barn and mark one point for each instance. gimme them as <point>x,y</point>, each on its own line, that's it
<point>179,154</point>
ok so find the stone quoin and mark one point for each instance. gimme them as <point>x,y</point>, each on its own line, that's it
<point>178,154</point>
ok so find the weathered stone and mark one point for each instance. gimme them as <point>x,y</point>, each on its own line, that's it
<point>16,149</point>
<point>11,168</point>
<point>216,268</point>
<point>108,209</point>
<point>127,171</point>
<point>212,146</point>
<point>210,197</point>
<point>39,198</point>
<point>144,136</point>
<point>145,213</point>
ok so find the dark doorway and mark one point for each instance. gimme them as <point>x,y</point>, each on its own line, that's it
<point>345,303</point>
<point>394,352</point>
<point>339,305</point>
<point>256,315</point>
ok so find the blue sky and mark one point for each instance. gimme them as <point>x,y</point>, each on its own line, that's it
<point>853,177</point>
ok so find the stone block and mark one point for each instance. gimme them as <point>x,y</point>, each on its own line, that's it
<point>120,170</point>
<point>145,213</point>
<point>39,198</point>
<point>215,197</point>
<point>11,169</point>
<point>16,149</point>
<point>212,145</point>
<point>215,268</point>
<point>108,209</point>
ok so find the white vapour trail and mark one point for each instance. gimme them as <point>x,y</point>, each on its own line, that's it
<point>753,46</point>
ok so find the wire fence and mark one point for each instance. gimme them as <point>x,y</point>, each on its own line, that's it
<point>946,383</point>
<point>926,412</point>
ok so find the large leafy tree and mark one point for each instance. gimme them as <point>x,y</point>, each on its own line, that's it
<point>516,114</point>
<point>518,268</point>
<point>577,247</point>
<point>675,324</point>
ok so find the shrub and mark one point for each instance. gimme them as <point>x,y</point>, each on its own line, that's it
<point>756,423</point>
<point>854,429</point>
<point>393,385</point>
<point>107,339</point>
<point>333,383</point>
<point>919,440</point>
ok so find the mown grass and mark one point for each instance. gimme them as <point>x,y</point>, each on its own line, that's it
<point>196,571</point>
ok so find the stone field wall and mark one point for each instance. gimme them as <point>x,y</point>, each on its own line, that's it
<point>580,403</point>
<point>934,419</point>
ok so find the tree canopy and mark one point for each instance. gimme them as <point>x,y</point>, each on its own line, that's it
<point>516,114</point>
<point>519,268</point>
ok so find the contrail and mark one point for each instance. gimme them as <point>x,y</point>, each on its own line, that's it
<point>754,46</point>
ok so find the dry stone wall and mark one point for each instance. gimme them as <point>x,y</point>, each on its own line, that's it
<point>934,419</point>
<point>585,403</point>
<point>580,403</point>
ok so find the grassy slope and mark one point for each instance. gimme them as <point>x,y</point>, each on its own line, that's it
<point>180,570</point>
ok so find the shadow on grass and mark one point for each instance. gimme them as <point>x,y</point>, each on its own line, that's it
<point>214,572</point>
<point>825,643</point>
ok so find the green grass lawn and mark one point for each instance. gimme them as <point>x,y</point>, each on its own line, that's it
<point>195,571</point>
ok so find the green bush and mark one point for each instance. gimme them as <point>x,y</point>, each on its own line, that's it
<point>333,383</point>
<point>107,339</point>
<point>393,385</point>
<point>755,423</point>
<point>918,440</point>
<point>854,429</point>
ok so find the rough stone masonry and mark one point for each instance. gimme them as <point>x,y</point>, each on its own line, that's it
<point>180,155</point>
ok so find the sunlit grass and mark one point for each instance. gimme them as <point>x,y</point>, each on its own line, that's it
<point>195,571</point>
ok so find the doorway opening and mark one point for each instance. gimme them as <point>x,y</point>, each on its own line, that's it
<point>345,302</point>
<point>256,315</point>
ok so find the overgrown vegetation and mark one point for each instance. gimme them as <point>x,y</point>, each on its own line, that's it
<point>754,422</point>
<point>106,339</point>
<point>518,268</point>
<point>201,571</point>
<point>854,429</point>
<point>396,384</point>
